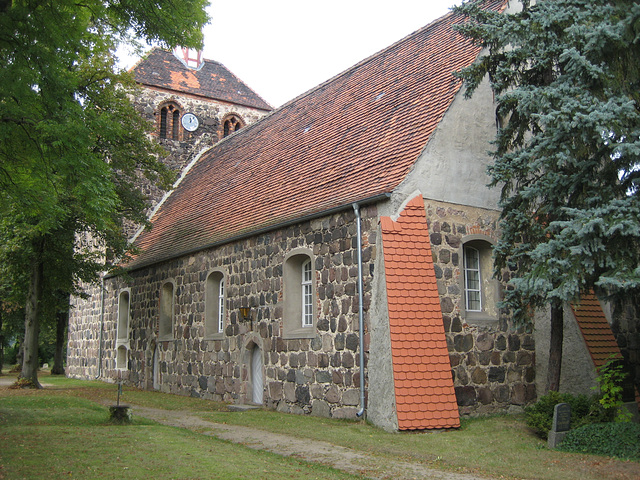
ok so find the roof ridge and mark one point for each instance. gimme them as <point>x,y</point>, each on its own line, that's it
<point>239,80</point>
<point>367,59</point>
<point>352,137</point>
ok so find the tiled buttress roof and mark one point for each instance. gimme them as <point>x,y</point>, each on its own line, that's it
<point>595,330</point>
<point>352,138</point>
<point>597,333</point>
<point>425,397</point>
<point>212,80</point>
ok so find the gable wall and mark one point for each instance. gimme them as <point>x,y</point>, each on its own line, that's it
<point>493,365</point>
<point>318,375</point>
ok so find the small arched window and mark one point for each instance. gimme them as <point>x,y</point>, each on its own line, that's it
<point>121,357</point>
<point>123,316</point>
<point>231,123</point>
<point>122,333</point>
<point>481,289</point>
<point>307,295</point>
<point>472,280</point>
<point>165,326</point>
<point>299,315</point>
<point>214,306</point>
<point>169,127</point>
<point>163,122</point>
<point>175,124</point>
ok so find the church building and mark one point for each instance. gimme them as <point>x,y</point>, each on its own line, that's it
<point>331,257</point>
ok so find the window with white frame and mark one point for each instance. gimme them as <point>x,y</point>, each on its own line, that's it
<point>481,290</point>
<point>214,321</point>
<point>221,306</point>
<point>307,295</point>
<point>473,292</point>
<point>299,312</point>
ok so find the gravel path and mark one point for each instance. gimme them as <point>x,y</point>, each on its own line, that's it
<point>342,458</point>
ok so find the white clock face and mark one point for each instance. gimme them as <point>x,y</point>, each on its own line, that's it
<point>190,122</point>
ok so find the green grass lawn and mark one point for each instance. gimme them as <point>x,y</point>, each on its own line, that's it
<point>499,446</point>
<point>54,437</point>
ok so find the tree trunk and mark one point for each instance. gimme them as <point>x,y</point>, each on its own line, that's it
<point>31,322</point>
<point>555,347</point>
<point>62,319</point>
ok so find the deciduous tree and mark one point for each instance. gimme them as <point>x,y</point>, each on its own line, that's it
<point>71,143</point>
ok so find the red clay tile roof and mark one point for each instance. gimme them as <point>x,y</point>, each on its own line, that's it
<point>212,80</point>
<point>425,397</point>
<point>352,138</point>
<point>595,329</point>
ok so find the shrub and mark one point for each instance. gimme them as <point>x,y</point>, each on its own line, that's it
<point>584,410</point>
<point>620,440</point>
<point>611,378</point>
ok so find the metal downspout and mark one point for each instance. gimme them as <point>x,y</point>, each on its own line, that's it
<point>356,209</point>
<point>101,328</point>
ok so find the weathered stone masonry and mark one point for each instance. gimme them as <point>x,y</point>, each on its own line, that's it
<point>493,364</point>
<point>318,375</point>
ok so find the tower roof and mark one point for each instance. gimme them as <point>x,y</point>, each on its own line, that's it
<point>162,69</point>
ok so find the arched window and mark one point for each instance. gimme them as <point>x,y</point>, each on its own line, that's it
<point>214,306</point>
<point>231,123</point>
<point>169,126</point>
<point>299,313</point>
<point>165,327</point>
<point>123,316</point>
<point>481,290</point>
<point>175,125</point>
<point>121,357</point>
<point>163,122</point>
<point>472,280</point>
<point>307,295</point>
<point>122,334</point>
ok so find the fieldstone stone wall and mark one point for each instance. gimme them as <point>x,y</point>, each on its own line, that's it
<point>84,334</point>
<point>626,328</point>
<point>493,364</point>
<point>318,375</point>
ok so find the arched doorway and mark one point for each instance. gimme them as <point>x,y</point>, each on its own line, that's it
<point>257,379</point>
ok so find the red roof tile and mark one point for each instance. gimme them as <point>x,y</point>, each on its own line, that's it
<point>421,368</point>
<point>597,332</point>
<point>350,139</point>
<point>595,329</point>
<point>163,69</point>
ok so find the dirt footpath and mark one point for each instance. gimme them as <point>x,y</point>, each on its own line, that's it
<point>342,458</point>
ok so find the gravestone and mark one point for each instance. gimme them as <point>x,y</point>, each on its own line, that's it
<point>561,424</point>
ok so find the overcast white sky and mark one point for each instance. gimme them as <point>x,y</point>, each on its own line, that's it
<point>282,48</point>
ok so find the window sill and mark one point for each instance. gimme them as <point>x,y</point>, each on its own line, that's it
<point>214,336</point>
<point>306,332</point>
<point>480,318</point>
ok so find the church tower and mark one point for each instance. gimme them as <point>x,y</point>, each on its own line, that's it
<point>193,103</point>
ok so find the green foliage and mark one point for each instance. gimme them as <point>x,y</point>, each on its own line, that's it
<point>566,74</point>
<point>584,410</point>
<point>611,377</point>
<point>621,440</point>
<point>71,143</point>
